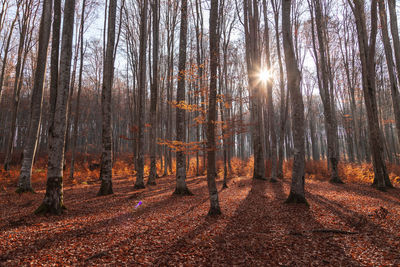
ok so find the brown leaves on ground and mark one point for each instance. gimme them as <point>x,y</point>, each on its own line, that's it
<point>256,228</point>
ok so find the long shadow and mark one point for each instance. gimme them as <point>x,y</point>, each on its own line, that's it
<point>83,201</point>
<point>265,231</point>
<point>376,235</point>
<point>47,242</point>
<point>366,191</point>
<point>181,243</point>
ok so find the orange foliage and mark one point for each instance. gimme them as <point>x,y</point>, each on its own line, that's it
<point>87,170</point>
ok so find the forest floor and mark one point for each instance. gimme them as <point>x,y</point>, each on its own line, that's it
<point>344,225</point>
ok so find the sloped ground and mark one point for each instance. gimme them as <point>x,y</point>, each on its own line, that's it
<point>347,225</point>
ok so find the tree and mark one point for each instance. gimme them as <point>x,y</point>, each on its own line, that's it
<point>53,200</point>
<point>284,101</point>
<point>7,48</point>
<point>181,187</point>
<point>293,83</point>
<point>78,97</point>
<point>251,21</point>
<point>395,34</point>
<point>270,103</point>
<point>108,76</point>
<point>24,182</point>
<point>25,39</point>
<point>142,93</point>
<point>326,97</point>
<point>154,93</point>
<point>390,65</point>
<point>212,112</point>
<point>367,57</point>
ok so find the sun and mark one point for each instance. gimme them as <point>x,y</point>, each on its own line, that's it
<point>264,75</point>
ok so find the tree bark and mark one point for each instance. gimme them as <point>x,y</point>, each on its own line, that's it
<point>78,97</point>
<point>181,187</point>
<point>23,48</point>
<point>24,182</point>
<point>139,184</point>
<point>395,34</point>
<point>108,76</point>
<point>390,65</point>
<point>326,97</point>
<point>53,200</point>
<point>271,110</point>
<point>154,94</point>
<point>212,112</point>
<point>293,82</point>
<point>367,57</point>
<point>251,21</point>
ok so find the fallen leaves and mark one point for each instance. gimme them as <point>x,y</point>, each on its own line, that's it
<point>256,228</point>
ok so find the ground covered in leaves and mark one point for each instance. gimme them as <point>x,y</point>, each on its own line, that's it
<point>344,225</point>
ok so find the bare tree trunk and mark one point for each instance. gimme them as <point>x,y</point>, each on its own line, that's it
<point>23,48</point>
<point>108,76</point>
<point>154,94</point>
<point>271,111</point>
<point>390,65</point>
<point>7,49</point>
<point>78,97</point>
<point>395,34</point>
<point>139,184</point>
<point>367,56</point>
<point>53,200</point>
<point>284,100</point>
<point>251,19</point>
<point>293,82</point>
<point>181,187</point>
<point>24,182</point>
<point>326,97</point>
<point>212,112</point>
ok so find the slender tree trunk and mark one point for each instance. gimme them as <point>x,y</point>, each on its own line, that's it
<point>284,100</point>
<point>154,94</point>
<point>390,65</point>
<point>367,56</point>
<point>108,76</point>
<point>326,98</point>
<point>18,80</point>
<point>293,76</point>
<point>212,112</point>
<point>24,182</point>
<point>78,97</point>
<point>181,187</point>
<point>7,50</point>
<point>251,18</point>
<point>53,200</point>
<point>139,184</point>
<point>395,34</point>
<point>271,111</point>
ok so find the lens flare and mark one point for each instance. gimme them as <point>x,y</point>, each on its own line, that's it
<point>264,75</point>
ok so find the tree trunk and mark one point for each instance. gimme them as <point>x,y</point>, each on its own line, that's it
<point>154,94</point>
<point>24,182</point>
<point>78,97</point>
<point>212,112</point>
<point>18,80</point>
<point>108,76</point>
<point>181,187</point>
<point>390,65</point>
<point>139,184</point>
<point>251,19</point>
<point>53,200</point>
<point>395,34</point>
<point>271,111</point>
<point>367,57</point>
<point>326,97</point>
<point>293,82</point>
